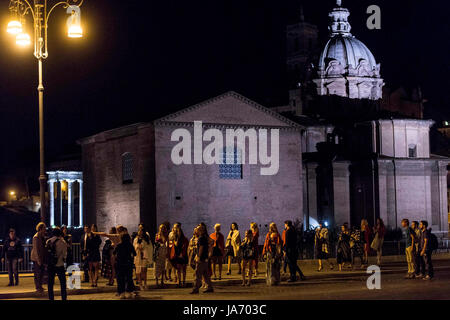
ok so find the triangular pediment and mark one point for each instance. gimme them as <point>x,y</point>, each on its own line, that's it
<point>230,108</point>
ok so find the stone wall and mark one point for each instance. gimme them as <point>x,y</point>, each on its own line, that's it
<point>195,193</point>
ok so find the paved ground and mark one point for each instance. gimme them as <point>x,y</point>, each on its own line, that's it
<point>324,285</point>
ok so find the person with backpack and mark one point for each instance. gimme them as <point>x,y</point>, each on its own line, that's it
<point>57,252</point>
<point>201,261</point>
<point>248,254</point>
<point>218,250</point>
<point>425,250</point>
<point>13,253</point>
<point>416,256</point>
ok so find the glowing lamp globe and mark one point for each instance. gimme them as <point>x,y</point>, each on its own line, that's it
<point>75,31</point>
<point>14,27</point>
<point>23,39</point>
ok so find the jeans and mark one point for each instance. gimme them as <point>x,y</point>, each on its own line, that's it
<point>38,275</point>
<point>293,266</point>
<point>426,265</point>
<point>125,278</point>
<point>410,259</point>
<point>201,271</point>
<point>13,271</point>
<point>61,273</point>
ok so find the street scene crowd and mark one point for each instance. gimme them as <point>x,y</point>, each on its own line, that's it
<point>125,258</point>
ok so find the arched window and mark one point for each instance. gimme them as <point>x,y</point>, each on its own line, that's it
<point>127,168</point>
<point>231,167</point>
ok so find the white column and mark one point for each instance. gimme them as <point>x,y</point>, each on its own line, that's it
<point>60,204</point>
<point>81,202</point>
<point>69,202</point>
<point>51,187</point>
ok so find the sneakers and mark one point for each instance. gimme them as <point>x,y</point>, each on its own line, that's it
<point>195,291</point>
<point>427,278</point>
<point>122,296</point>
<point>419,276</point>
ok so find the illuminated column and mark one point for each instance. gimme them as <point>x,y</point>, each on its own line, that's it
<point>51,187</point>
<point>60,199</point>
<point>69,202</point>
<point>81,202</point>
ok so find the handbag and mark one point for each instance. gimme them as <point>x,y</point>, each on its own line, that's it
<point>375,243</point>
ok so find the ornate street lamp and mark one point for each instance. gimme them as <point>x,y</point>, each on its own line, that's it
<point>40,12</point>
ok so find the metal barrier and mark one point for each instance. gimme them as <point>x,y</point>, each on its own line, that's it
<point>307,252</point>
<point>27,265</point>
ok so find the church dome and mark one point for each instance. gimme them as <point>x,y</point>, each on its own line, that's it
<point>346,66</point>
<point>344,55</point>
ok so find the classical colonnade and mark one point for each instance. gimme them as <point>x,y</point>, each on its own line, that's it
<point>70,177</point>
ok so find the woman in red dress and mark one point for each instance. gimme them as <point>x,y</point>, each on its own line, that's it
<point>179,253</point>
<point>272,252</point>
<point>218,250</point>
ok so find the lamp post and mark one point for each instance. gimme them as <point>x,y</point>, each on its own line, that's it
<point>40,12</point>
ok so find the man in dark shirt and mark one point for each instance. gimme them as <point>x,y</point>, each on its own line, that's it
<point>201,269</point>
<point>291,251</point>
<point>13,253</point>
<point>426,265</point>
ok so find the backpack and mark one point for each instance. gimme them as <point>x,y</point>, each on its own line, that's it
<point>52,257</point>
<point>434,243</point>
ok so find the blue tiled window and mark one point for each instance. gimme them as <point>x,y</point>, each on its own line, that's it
<point>231,167</point>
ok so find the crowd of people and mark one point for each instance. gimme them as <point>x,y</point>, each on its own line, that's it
<point>125,258</point>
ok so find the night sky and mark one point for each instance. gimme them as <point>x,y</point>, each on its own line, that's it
<point>139,60</point>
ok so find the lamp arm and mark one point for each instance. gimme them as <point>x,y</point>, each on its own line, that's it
<point>64,3</point>
<point>28,7</point>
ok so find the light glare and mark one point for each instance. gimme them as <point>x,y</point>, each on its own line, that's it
<point>23,39</point>
<point>14,27</point>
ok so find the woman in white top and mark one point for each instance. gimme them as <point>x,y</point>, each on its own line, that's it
<point>144,256</point>
<point>232,246</point>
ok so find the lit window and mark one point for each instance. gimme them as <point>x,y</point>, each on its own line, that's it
<point>231,168</point>
<point>127,168</point>
<point>412,151</point>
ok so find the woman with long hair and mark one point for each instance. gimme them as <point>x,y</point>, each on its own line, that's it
<point>378,240</point>
<point>232,246</point>
<point>322,245</point>
<point>366,237</point>
<point>272,252</point>
<point>108,259</point>
<point>144,256</point>
<point>179,254</point>
<point>255,234</point>
<point>248,256</point>
<point>160,255</point>
<point>217,250</point>
<point>93,243</point>
<point>169,265</point>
